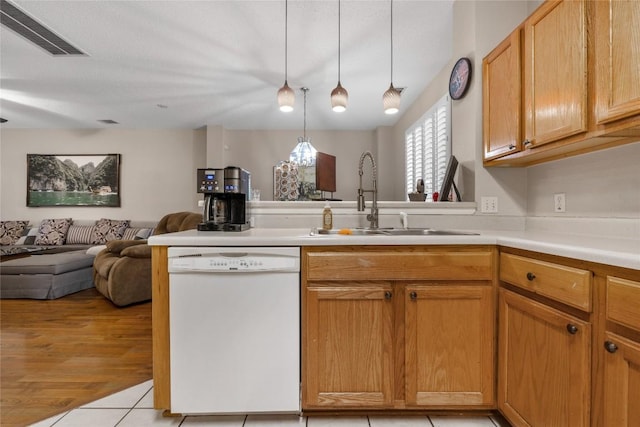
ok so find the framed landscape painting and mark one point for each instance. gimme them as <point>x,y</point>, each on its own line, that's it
<point>73,180</point>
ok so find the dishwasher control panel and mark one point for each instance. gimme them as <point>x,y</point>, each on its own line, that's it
<point>207,259</point>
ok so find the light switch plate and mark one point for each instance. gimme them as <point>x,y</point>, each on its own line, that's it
<point>489,204</point>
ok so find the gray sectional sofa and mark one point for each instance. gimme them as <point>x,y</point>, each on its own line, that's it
<point>46,275</point>
<point>63,262</point>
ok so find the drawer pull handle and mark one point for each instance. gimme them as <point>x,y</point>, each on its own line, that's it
<point>388,295</point>
<point>413,296</point>
<point>526,142</point>
<point>511,146</point>
<point>572,329</point>
<point>530,276</point>
<point>610,346</point>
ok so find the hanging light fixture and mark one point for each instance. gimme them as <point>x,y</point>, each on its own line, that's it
<point>286,96</point>
<point>339,95</point>
<point>304,154</point>
<point>391,98</point>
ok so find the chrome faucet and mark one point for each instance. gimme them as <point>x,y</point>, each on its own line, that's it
<point>373,216</point>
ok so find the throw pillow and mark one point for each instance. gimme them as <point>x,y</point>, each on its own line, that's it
<point>53,231</point>
<point>28,237</point>
<point>11,231</point>
<point>133,233</point>
<point>143,234</point>
<point>108,229</point>
<point>130,233</point>
<point>80,234</point>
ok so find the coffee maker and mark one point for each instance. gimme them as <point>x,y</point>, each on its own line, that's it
<point>226,192</point>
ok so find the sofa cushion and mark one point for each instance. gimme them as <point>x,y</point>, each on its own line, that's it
<point>11,231</point>
<point>28,237</point>
<point>134,233</point>
<point>108,229</point>
<point>48,263</point>
<point>80,234</point>
<point>139,251</point>
<point>53,231</point>
<point>45,286</point>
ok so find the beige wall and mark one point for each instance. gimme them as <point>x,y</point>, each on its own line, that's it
<point>157,173</point>
<point>603,184</point>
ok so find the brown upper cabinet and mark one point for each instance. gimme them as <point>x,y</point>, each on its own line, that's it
<point>565,82</point>
<point>502,100</point>
<point>617,58</point>
<point>555,72</point>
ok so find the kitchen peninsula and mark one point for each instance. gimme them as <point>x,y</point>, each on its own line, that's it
<point>450,322</point>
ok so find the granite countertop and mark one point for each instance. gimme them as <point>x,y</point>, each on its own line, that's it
<point>612,251</point>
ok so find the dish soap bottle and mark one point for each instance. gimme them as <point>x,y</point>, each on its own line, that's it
<point>327,218</point>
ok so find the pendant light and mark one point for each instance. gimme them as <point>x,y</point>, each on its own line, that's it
<point>339,95</point>
<point>286,96</point>
<point>391,98</point>
<point>304,154</point>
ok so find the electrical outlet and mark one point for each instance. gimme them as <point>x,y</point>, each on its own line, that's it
<point>489,204</point>
<point>559,202</point>
<point>200,203</point>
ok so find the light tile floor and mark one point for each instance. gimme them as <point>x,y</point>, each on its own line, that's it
<point>134,408</point>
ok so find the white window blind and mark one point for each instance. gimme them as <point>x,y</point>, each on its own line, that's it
<point>427,148</point>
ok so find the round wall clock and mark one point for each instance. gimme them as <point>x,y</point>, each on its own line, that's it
<point>460,78</point>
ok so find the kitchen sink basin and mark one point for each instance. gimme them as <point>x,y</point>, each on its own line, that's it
<point>392,232</point>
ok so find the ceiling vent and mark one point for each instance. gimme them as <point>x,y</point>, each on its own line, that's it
<point>18,21</point>
<point>108,122</point>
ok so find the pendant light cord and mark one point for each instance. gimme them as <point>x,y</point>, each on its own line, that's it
<point>339,41</point>
<point>304,132</point>
<point>392,42</point>
<point>286,38</point>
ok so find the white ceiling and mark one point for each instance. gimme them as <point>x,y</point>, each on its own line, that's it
<point>219,62</point>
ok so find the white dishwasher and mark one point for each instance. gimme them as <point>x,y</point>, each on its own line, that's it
<point>234,325</point>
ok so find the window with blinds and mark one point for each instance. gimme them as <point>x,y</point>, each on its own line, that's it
<point>427,148</point>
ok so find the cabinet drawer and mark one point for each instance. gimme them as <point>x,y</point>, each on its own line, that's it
<point>571,286</point>
<point>623,302</point>
<point>391,265</point>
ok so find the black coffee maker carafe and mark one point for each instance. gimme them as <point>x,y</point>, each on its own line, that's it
<point>225,198</point>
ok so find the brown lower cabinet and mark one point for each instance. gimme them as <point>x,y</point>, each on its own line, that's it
<point>449,344</point>
<point>398,328</point>
<point>349,346</point>
<point>620,348</point>
<point>568,342</point>
<point>621,381</point>
<point>544,365</point>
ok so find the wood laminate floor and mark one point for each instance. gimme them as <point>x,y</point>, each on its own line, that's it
<point>56,355</point>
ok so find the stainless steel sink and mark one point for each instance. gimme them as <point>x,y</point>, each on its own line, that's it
<point>395,232</point>
<point>353,231</point>
<point>427,232</point>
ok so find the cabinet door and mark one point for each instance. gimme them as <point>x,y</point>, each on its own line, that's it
<point>555,74</point>
<point>501,99</point>
<point>617,59</point>
<point>449,345</point>
<point>621,382</point>
<point>544,364</point>
<point>348,350</point>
